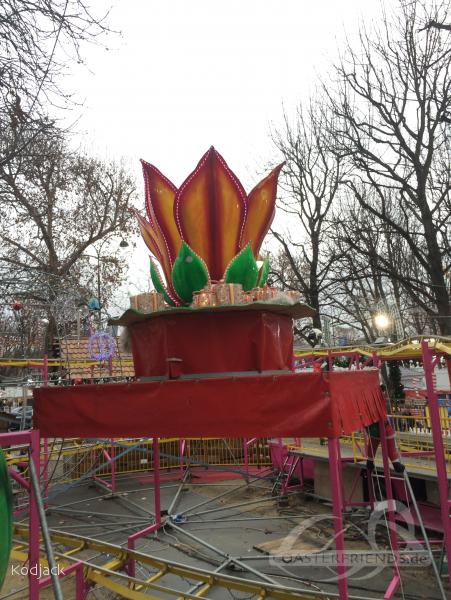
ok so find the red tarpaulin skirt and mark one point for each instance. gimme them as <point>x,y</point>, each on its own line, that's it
<point>287,405</point>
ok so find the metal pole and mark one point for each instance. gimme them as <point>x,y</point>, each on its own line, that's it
<point>206,585</point>
<point>113,468</point>
<point>442,476</point>
<point>81,587</point>
<point>337,503</point>
<point>23,420</point>
<point>156,480</point>
<point>237,561</point>
<point>45,378</point>
<point>182,445</point>
<point>45,532</point>
<point>98,290</point>
<point>33,516</point>
<point>71,511</point>
<point>100,524</point>
<point>425,537</point>
<point>396,580</point>
<point>177,494</point>
<point>45,370</point>
<point>233,519</point>
<point>209,500</point>
<point>46,468</point>
<point>233,506</point>
<point>157,506</point>
<point>246,458</point>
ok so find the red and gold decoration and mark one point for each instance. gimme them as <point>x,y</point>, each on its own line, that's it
<point>148,302</point>
<point>204,297</point>
<point>263,294</point>
<point>228,293</point>
<point>206,231</point>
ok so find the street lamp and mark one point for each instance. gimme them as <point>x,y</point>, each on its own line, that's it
<point>96,302</point>
<point>381,321</point>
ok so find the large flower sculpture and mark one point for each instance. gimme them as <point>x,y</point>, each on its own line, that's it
<point>207,230</point>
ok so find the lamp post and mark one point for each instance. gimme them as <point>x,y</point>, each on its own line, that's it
<point>97,305</point>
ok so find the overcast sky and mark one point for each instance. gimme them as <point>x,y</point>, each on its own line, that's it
<point>188,74</point>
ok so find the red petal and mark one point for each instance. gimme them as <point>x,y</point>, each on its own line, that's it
<point>210,209</point>
<point>160,195</point>
<point>155,242</point>
<point>260,211</point>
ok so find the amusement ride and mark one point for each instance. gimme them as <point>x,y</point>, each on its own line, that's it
<point>212,355</point>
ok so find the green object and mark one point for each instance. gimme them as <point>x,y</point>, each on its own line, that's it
<point>189,273</point>
<point>243,269</point>
<point>158,284</point>
<point>373,430</point>
<point>6,518</point>
<point>263,274</point>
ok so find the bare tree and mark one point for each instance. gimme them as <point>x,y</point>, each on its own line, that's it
<point>56,207</point>
<point>433,23</point>
<point>38,40</point>
<point>362,283</point>
<point>390,102</point>
<point>309,184</point>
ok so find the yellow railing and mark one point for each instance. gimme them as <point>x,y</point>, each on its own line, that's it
<point>67,460</point>
<point>70,459</point>
<point>199,451</point>
<point>413,436</point>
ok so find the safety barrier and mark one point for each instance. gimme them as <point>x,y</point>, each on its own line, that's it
<point>68,460</point>
<point>413,436</point>
<point>200,451</point>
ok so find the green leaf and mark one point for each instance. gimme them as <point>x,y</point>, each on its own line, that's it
<point>189,273</point>
<point>158,284</point>
<point>263,274</point>
<point>243,269</point>
<point>6,517</point>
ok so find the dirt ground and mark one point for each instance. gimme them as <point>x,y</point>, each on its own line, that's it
<point>247,523</point>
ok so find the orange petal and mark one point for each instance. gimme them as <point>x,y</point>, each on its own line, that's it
<point>160,196</point>
<point>260,211</point>
<point>147,234</point>
<point>210,208</point>
<point>154,241</point>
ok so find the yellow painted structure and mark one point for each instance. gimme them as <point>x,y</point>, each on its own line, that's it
<point>407,349</point>
<point>111,575</point>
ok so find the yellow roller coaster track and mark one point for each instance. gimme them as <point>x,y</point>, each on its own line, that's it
<point>409,348</point>
<point>37,363</point>
<point>111,575</point>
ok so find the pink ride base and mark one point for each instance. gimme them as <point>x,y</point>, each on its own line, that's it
<point>32,440</point>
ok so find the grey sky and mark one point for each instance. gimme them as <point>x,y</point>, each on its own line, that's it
<point>187,74</point>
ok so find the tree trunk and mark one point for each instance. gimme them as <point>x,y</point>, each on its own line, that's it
<point>436,274</point>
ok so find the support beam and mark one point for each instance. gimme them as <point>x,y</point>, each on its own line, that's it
<point>391,522</point>
<point>337,503</point>
<point>33,554</point>
<point>437,436</point>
